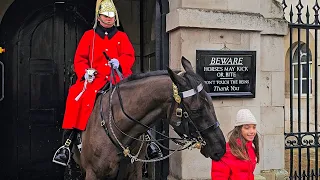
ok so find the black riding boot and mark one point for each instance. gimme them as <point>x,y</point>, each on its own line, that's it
<point>153,150</point>
<point>63,154</point>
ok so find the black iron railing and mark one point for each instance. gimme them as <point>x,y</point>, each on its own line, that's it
<point>301,126</point>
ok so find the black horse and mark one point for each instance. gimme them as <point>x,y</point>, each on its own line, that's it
<point>136,104</point>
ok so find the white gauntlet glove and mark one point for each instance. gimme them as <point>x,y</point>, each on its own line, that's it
<point>90,75</point>
<point>114,62</point>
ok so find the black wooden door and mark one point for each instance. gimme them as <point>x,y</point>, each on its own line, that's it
<point>46,45</point>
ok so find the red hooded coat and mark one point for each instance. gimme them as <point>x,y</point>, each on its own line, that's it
<point>116,45</point>
<point>230,167</point>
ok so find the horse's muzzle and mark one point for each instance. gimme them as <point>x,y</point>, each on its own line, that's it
<point>215,153</point>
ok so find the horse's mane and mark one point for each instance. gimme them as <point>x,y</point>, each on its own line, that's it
<point>192,78</point>
<point>138,76</point>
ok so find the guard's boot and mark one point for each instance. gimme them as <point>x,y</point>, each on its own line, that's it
<point>153,151</point>
<point>63,154</point>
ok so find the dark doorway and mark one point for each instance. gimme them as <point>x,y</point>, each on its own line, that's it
<point>40,42</point>
<point>38,73</point>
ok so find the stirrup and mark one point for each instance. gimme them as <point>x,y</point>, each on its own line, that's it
<point>60,149</point>
<point>66,148</point>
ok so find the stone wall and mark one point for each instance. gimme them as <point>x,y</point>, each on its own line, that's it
<point>240,25</point>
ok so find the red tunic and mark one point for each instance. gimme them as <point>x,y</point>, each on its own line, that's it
<point>118,46</point>
<point>230,167</point>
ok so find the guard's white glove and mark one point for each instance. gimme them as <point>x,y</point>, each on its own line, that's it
<point>114,62</point>
<point>90,75</point>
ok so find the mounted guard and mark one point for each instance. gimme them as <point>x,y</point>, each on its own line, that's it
<point>100,49</point>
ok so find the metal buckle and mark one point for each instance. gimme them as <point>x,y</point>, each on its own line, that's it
<point>147,137</point>
<point>103,123</point>
<point>185,114</point>
<point>179,112</point>
<point>67,143</point>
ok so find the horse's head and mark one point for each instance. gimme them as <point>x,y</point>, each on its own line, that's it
<point>193,116</point>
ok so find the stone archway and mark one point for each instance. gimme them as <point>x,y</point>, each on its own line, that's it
<point>4,6</point>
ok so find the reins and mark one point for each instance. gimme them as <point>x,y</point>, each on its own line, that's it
<point>103,122</point>
<point>188,139</point>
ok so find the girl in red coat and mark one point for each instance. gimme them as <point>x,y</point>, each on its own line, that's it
<point>242,152</point>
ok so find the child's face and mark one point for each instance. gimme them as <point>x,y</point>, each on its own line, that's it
<point>249,131</point>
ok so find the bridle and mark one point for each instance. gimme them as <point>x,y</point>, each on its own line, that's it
<point>182,127</point>
<point>184,120</point>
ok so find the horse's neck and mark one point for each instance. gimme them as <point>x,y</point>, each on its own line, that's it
<point>149,101</point>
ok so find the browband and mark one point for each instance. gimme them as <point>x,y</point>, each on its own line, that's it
<point>191,92</point>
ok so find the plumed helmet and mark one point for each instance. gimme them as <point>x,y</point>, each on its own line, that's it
<point>107,8</point>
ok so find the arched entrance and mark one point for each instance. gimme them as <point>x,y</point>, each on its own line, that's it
<point>40,42</point>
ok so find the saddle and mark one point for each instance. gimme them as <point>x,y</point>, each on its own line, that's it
<point>78,139</point>
<point>104,89</point>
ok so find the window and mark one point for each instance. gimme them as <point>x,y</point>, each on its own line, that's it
<point>304,89</point>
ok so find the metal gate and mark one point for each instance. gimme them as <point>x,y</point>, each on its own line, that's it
<point>301,124</point>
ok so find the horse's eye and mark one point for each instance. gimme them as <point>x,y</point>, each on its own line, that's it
<point>198,110</point>
<point>195,113</point>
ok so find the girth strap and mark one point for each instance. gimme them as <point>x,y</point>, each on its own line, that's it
<point>123,167</point>
<point>124,161</point>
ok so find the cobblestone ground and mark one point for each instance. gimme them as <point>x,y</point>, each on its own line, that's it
<point>304,160</point>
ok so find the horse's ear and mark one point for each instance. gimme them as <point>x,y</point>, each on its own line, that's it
<point>176,79</point>
<point>186,65</point>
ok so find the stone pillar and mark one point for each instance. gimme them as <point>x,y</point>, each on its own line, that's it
<point>254,25</point>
